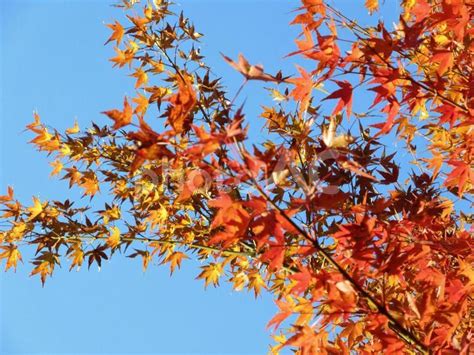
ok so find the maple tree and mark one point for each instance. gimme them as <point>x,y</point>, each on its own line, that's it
<point>361,255</point>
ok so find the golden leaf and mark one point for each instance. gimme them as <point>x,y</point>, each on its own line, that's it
<point>211,274</point>
<point>12,254</point>
<point>114,239</point>
<point>57,167</point>
<point>77,258</point>
<point>141,76</point>
<point>44,268</point>
<point>175,260</point>
<point>74,129</point>
<point>90,184</point>
<point>36,209</point>
<point>17,232</point>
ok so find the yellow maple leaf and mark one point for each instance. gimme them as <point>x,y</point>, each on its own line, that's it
<point>65,150</point>
<point>142,104</point>
<point>175,259</point>
<point>44,268</point>
<point>42,138</point>
<point>77,258</point>
<point>36,125</point>
<point>74,129</point>
<point>146,258</point>
<point>447,206</point>
<point>114,239</point>
<point>36,209</point>
<point>111,214</point>
<point>17,232</point>
<point>158,67</point>
<point>239,281</point>
<point>211,274</point>
<point>256,282</point>
<point>157,217</point>
<point>90,185</point>
<point>12,254</point>
<point>141,76</point>
<point>57,167</point>
<point>277,96</point>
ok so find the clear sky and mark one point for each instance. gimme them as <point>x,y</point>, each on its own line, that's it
<point>53,60</point>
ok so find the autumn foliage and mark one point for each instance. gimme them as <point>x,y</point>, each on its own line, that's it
<point>364,250</point>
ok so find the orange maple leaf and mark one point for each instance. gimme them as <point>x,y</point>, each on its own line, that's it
<point>117,33</point>
<point>121,118</point>
<point>182,105</point>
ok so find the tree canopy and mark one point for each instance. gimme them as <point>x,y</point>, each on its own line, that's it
<point>363,249</point>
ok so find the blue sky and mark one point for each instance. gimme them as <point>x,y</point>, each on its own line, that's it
<point>53,60</point>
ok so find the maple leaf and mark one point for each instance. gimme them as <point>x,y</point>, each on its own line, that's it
<point>123,57</point>
<point>286,310</point>
<point>250,72</point>
<point>117,34</point>
<point>152,145</point>
<point>303,277</point>
<point>372,5</point>
<point>73,175</point>
<point>57,167</point>
<point>445,61</point>
<point>275,254</point>
<point>44,140</point>
<point>329,135</point>
<point>314,6</point>
<point>18,231</point>
<point>36,209</point>
<point>255,282</point>
<point>344,94</point>
<point>76,254</point>
<point>44,265</point>
<point>182,105</point>
<point>355,168</point>
<point>392,109</point>
<point>142,103</point>
<point>121,118</point>
<point>138,21</point>
<point>435,163</point>
<point>421,9</point>
<point>303,88</point>
<point>113,241</point>
<point>96,255</point>
<point>141,76</point>
<point>36,125</point>
<point>461,175</point>
<point>157,216</point>
<point>12,254</point>
<point>73,130</point>
<point>90,184</point>
<point>175,259</point>
<point>9,196</point>
<point>211,274</point>
<point>146,257</point>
